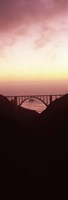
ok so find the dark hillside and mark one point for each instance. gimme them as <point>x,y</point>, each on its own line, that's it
<point>10,110</point>
<point>37,149</point>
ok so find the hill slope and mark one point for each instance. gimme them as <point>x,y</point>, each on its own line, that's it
<point>8,109</point>
<point>39,148</point>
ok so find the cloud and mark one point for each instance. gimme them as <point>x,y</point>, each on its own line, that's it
<point>17,13</point>
<point>46,35</point>
<point>17,17</point>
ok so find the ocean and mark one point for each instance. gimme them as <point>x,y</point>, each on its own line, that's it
<point>35,105</point>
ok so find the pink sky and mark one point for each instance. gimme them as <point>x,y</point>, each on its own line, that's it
<point>33,46</point>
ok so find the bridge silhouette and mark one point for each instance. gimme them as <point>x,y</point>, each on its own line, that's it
<point>45,99</point>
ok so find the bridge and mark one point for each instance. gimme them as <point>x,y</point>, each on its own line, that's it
<point>45,99</point>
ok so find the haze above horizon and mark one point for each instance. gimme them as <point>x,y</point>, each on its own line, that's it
<point>33,47</point>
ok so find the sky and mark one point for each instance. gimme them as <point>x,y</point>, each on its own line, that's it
<point>33,47</point>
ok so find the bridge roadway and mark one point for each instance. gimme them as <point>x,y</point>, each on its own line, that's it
<point>45,99</point>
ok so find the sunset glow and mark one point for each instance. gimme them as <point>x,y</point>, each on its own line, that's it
<point>33,46</point>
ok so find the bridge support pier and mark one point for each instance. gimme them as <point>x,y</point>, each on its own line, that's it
<point>50,98</point>
<point>15,100</point>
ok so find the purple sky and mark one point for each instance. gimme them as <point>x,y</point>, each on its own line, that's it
<point>33,45</point>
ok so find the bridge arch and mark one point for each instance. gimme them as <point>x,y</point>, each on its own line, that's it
<point>33,98</point>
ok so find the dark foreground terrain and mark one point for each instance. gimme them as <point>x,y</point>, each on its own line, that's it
<point>34,146</point>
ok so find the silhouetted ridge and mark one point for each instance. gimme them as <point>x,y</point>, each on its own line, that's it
<point>57,105</point>
<point>34,144</point>
<point>56,114</point>
<point>9,109</point>
<point>4,102</point>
